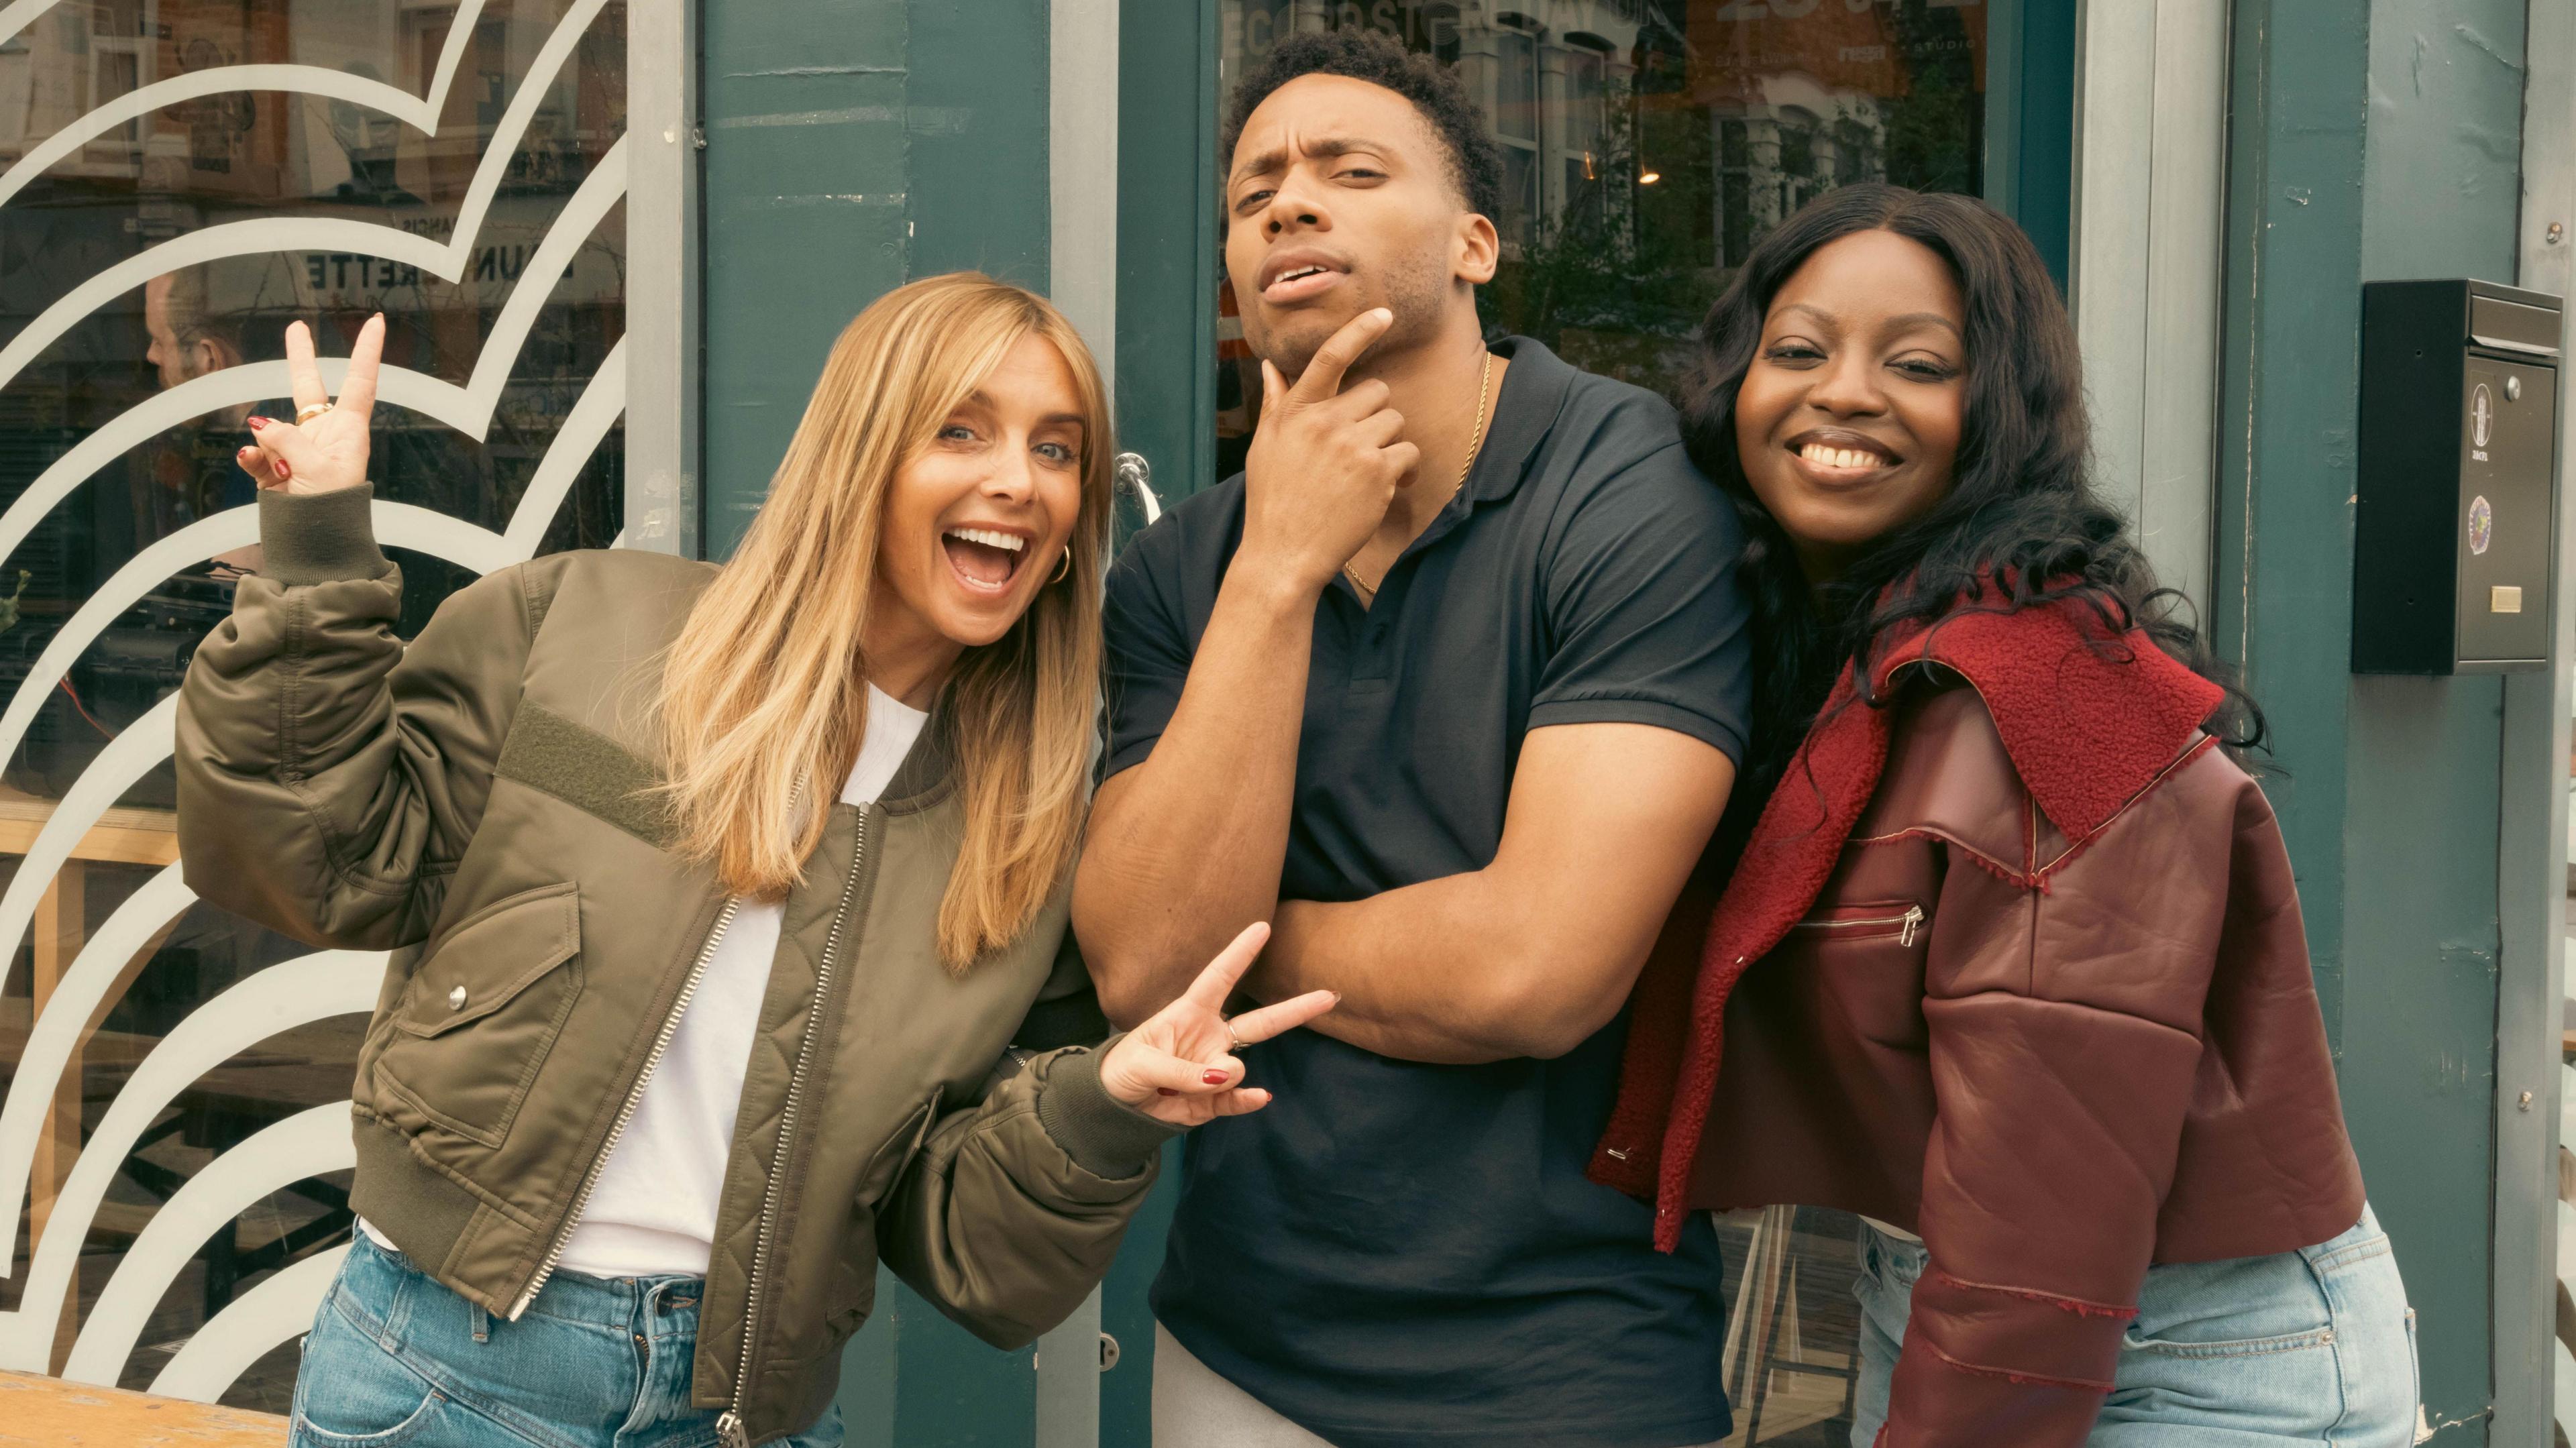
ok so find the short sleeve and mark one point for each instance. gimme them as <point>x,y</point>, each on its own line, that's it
<point>1147,645</point>
<point>1647,618</point>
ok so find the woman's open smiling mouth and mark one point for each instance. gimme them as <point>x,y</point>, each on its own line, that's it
<point>985,560</point>
<point>1840,459</point>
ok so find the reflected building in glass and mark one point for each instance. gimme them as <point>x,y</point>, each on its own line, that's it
<point>1647,144</point>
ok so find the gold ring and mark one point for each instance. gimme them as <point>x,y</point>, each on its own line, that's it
<point>310,411</point>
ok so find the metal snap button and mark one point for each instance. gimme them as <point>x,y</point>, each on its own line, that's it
<point>456,999</point>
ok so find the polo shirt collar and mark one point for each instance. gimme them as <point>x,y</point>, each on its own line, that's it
<point>1524,411</point>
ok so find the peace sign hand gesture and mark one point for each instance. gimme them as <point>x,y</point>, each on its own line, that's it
<point>1180,1066</point>
<point>328,450</point>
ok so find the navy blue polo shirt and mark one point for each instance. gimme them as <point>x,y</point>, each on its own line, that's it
<point>1395,1253</point>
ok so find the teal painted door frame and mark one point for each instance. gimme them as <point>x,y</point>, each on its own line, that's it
<point>851,146</point>
<point>2389,789</point>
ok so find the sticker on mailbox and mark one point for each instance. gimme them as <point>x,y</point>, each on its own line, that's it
<point>2481,524</point>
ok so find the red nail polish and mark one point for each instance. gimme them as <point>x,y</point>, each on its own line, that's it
<point>1166,1091</point>
<point>1214,1078</point>
<point>283,471</point>
<point>257,423</point>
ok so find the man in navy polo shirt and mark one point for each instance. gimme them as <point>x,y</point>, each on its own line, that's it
<point>1448,685</point>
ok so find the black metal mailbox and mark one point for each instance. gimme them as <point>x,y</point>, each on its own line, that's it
<point>2454,542</point>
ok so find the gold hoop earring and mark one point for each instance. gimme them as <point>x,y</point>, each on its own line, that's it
<point>1063,567</point>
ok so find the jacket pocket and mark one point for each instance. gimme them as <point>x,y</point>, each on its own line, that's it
<point>854,1273</point>
<point>1867,965</point>
<point>481,1013</point>
<point>1901,919</point>
<point>886,1166</point>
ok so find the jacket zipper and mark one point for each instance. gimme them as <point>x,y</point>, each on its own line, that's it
<point>1907,924</point>
<point>729,1425</point>
<point>626,1113</point>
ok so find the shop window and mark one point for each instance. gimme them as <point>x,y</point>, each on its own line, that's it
<point>174,1142</point>
<point>1517,128</point>
<point>1586,117</point>
<point>1648,144</point>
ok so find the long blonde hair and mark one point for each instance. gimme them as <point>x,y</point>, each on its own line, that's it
<point>764,693</point>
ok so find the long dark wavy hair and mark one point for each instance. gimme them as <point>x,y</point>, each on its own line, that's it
<point>2021,524</point>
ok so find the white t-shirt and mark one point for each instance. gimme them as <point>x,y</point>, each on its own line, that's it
<point>653,1209</point>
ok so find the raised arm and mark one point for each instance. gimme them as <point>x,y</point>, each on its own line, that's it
<point>1185,848</point>
<point>328,774</point>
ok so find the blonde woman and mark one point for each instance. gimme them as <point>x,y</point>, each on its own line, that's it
<point>728,907</point>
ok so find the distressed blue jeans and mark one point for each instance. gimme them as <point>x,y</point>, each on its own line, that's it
<point>2313,1346</point>
<point>595,1362</point>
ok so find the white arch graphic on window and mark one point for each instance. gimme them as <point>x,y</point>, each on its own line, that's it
<point>149,740</point>
<point>421,529</point>
<point>418,112</point>
<point>284,233</point>
<point>313,986</point>
<point>468,409</point>
<point>308,988</point>
<point>278,1155</point>
<point>127,758</point>
<point>280,1307</point>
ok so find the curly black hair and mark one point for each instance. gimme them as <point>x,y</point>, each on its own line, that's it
<point>2022,524</point>
<point>1435,90</point>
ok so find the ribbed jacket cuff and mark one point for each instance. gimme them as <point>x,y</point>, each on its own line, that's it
<point>1104,1135</point>
<point>320,537</point>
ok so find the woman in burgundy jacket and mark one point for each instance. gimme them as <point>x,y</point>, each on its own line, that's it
<point>2009,960</point>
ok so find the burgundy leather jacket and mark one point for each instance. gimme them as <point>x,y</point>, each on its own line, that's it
<point>2016,964</point>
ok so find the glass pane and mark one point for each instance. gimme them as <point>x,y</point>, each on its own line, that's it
<point>1648,146</point>
<point>1791,1360</point>
<point>455,164</point>
<point>1516,103</point>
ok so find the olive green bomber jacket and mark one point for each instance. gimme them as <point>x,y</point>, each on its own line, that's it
<point>479,803</point>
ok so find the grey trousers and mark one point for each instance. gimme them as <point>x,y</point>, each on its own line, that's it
<point>1194,1408</point>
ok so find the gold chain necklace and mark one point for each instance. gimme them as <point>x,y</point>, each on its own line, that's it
<point>1475,445</point>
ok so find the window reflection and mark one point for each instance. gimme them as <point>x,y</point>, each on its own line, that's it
<point>1648,144</point>
<point>455,165</point>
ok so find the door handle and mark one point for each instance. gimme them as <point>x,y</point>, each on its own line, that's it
<point>1136,475</point>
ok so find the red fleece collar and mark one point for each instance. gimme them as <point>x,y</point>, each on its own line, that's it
<point>2090,720</point>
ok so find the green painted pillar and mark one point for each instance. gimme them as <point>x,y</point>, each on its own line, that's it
<point>2345,120</point>
<point>805,198</point>
<point>854,145</point>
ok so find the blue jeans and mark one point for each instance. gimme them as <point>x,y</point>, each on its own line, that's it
<point>2313,1346</point>
<point>595,1362</point>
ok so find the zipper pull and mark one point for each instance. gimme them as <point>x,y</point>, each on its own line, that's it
<point>1913,918</point>
<point>729,1430</point>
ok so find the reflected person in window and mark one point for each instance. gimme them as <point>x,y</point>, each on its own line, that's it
<point>191,338</point>
<point>1447,685</point>
<point>2009,959</point>
<point>727,907</point>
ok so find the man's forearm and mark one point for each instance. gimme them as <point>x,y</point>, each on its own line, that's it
<point>1455,971</point>
<point>1535,952</point>
<point>1185,849</point>
<point>1423,972</point>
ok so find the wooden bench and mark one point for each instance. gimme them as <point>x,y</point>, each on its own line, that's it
<point>50,1413</point>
